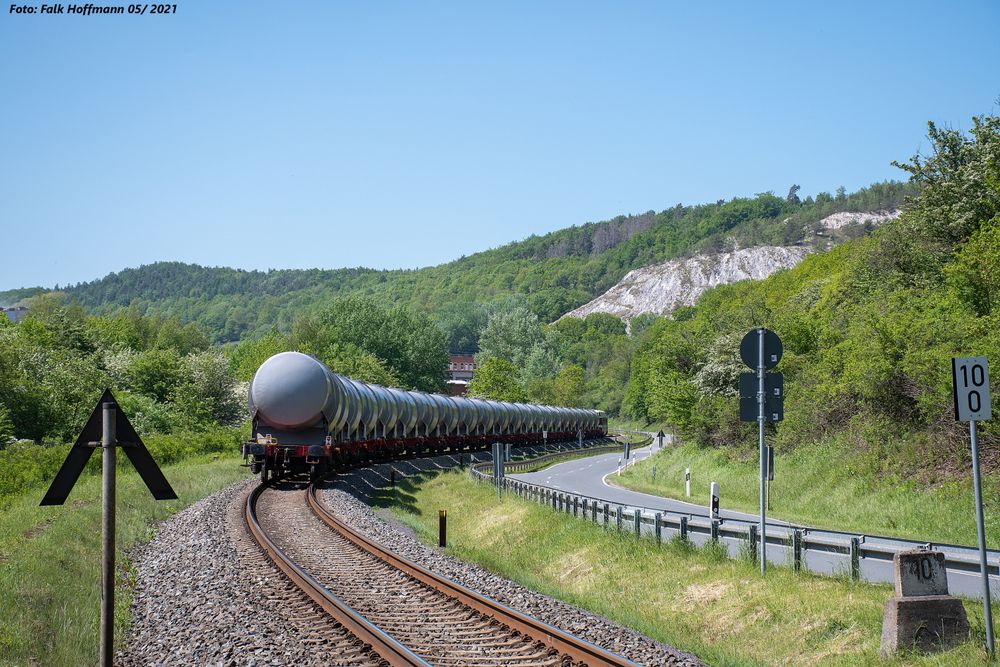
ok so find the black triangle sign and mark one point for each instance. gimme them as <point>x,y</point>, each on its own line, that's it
<point>660,434</point>
<point>130,443</point>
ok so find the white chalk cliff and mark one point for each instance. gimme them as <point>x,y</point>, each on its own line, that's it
<point>661,288</point>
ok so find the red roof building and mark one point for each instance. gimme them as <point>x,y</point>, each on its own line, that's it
<point>460,370</point>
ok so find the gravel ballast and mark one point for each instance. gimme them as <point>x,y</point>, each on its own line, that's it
<point>584,624</point>
<point>207,595</point>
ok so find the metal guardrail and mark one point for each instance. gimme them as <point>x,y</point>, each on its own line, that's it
<point>815,550</point>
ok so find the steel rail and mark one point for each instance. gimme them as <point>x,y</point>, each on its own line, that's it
<point>389,649</point>
<point>563,642</point>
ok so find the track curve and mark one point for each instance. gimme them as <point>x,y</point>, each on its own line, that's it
<point>408,614</point>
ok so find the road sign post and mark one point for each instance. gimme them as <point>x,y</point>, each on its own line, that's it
<point>971,380</point>
<point>109,444</point>
<point>108,422</point>
<point>770,474</point>
<point>659,439</point>
<point>761,350</point>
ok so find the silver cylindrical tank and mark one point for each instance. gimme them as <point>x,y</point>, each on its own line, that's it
<point>407,421</point>
<point>293,390</point>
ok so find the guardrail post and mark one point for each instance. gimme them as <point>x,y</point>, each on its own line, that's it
<point>593,510</point>
<point>752,541</point>
<point>796,550</point>
<point>554,499</point>
<point>715,530</point>
<point>855,559</point>
<point>618,518</point>
<point>637,518</point>
<point>607,509</point>
<point>576,506</point>
<point>684,527</point>
<point>658,523</point>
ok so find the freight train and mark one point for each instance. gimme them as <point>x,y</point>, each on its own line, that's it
<point>306,418</point>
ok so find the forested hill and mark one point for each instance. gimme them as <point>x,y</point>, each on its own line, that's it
<point>552,274</point>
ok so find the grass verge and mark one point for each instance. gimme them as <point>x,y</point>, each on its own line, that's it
<point>50,559</point>
<point>696,600</point>
<point>816,485</point>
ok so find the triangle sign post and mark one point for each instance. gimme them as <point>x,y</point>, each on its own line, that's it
<point>107,428</point>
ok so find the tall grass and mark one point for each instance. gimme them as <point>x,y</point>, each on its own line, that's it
<point>50,559</point>
<point>820,485</point>
<point>696,599</point>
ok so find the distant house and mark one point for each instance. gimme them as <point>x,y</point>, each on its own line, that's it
<point>460,370</point>
<point>15,313</point>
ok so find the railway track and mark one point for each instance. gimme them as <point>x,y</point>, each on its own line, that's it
<point>406,613</point>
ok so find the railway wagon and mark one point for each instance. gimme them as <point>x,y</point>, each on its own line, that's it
<point>308,418</point>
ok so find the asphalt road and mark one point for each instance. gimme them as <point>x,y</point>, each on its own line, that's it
<point>590,477</point>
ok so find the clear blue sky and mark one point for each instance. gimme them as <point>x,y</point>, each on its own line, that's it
<point>328,134</point>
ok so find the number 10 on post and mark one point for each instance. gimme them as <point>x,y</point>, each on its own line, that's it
<point>971,377</point>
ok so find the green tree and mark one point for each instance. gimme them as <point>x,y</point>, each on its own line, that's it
<point>510,335</point>
<point>413,348</point>
<point>247,356</point>
<point>155,373</point>
<point>569,386</point>
<point>497,379</point>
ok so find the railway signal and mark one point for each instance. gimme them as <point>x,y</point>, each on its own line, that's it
<point>107,428</point>
<point>971,380</point>
<point>762,398</point>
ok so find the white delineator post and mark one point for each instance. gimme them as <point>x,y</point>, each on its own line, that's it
<point>687,481</point>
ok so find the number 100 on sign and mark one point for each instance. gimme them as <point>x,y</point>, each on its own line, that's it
<point>971,376</point>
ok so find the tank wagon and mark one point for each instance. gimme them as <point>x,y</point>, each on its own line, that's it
<point>307,418</point>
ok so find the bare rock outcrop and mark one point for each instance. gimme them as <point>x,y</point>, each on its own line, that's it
<point>661,288</point>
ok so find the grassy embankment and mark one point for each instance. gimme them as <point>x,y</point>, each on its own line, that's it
<point>825,485</point>
<point>697,600</point>
<point>50,559</point>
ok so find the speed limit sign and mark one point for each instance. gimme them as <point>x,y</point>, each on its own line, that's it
<point>972,388</point>
<point>971,376</point>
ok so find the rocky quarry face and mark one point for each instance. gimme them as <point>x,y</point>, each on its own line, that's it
<point>662,288</point>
